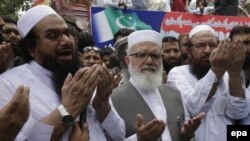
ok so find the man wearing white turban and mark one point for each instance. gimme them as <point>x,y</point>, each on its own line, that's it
<point>207,87</point>
<point>59,90</point>
<point>160,106</point>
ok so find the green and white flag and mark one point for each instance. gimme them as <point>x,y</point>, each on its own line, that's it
<point>110,20</point>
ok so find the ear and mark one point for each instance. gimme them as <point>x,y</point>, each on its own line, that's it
<point>127,60</point>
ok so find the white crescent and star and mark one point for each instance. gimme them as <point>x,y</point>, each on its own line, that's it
<point>119,24</point>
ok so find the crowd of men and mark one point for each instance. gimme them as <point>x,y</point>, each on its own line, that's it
<point>217,7</point>
<point>146,88</point>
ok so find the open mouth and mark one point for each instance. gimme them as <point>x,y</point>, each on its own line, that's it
<point>65,55</point>
<point>148,69</point>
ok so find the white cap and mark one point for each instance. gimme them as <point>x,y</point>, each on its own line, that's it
<point>32,17</point>
<point>200,28</point>
<point>144,35</point>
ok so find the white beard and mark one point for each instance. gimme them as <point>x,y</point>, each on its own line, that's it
<point>146,81</point>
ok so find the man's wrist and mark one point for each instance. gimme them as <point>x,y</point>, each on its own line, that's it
<point>67,119</point>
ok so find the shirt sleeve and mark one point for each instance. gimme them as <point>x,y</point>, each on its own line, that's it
<point>238,108</point>
<point>34,130</point>
<point>114,125</point>
<point>131,138</point>
<point>194,92</point>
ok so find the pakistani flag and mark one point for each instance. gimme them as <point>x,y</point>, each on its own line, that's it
<point>110,20</point>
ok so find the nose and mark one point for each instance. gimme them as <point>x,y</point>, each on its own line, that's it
<point>66,41</point>
<point>207,49</point>
<point>172,54</point>
<point>91,60</point>
<point>149,60</point>
<point>65,37</point>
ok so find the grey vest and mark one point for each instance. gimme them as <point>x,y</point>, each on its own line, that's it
<point>128,103</point>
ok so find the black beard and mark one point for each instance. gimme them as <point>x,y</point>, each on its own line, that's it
<point>61,71</point>
<point>198,71</point>
<point>167,67</point>
<point>247,62</point>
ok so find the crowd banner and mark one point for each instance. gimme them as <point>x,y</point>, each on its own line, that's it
<point>107,21</point>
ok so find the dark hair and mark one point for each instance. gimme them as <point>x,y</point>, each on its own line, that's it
<point>106,51</point>
<point>85,39</point>
<point>8,19</point>
<point>27,43</point>
<point>113,61</point>
<point>120,51</point>
<point>239,30</point>
<point>181,36</point>
<point>122,32</point>
<point>169,39</point>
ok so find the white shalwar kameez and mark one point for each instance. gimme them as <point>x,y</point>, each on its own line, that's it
<point>218,109</point>
<point>43,100</point>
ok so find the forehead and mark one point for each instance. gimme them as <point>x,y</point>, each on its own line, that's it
<point>203,36</point>
<point>9,25</point>
<point>170,45</point>
<point>242,36</point>
<point>91,53</point>
<point>146,47</point>
<point>184,39</point>
<point>50,22</point>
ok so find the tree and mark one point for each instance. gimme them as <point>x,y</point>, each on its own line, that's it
<point>11,7</point>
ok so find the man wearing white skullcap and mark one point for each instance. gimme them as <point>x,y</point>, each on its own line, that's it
<point>144,95</point>
<point>211,83</point>
<point>59,90</point>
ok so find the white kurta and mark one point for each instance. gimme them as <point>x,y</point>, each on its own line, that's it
<point>43,100</point>
<point>218,108</point>
<point>246,121</point>
<point>156,105</point>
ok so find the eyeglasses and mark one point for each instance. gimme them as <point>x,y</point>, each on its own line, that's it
<point>89,48</point>
<point>56,34</point>
<point>144,56</point>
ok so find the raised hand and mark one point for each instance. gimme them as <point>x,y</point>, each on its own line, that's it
<point>239,54</point>
<point>221,57</point>
<point>164,77</point>
<point>192,125</point>
<point>116,80</point>
<point>78,90</point>
<point>6,54</point>
<point>104,89</point>
<point>14,114</point>
<point>79,134</point>
<point>151,131</point>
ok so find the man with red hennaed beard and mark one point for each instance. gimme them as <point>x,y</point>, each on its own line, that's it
<point>61,93</point>
<point>212,82</point>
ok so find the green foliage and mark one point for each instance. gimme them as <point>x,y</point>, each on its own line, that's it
<point>11,7</point>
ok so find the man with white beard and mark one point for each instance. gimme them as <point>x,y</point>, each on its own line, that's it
<point>159,106</point>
